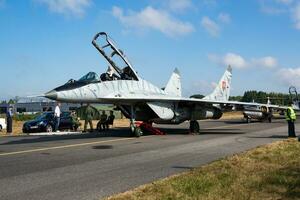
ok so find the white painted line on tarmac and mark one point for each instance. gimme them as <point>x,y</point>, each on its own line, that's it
<point>66,146</point>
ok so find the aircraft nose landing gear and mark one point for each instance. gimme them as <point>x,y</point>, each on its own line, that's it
<point>194,127</point>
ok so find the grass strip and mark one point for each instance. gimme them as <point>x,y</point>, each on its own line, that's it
<point>267,172</point>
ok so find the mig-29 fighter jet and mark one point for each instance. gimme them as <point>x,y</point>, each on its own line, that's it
<point>139,99</point>
<point>264,112</point>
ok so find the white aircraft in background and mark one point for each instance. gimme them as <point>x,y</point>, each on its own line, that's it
<point>264,112</point>
<point>139,99</point>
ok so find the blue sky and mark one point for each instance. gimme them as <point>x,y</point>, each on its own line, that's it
<point>44,43</point>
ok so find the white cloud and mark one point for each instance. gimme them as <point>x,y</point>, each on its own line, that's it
<point>239,62</point>
<point>285,1</point>
<point>267,62</point>
<point>150,18</point>
<point>210,26</point>
<point>180,5</point>
<point>274,7</point>
<point>213,27</point>
<point>67,7</point>
<point>292,7</point>
<point>232,59</point>
<point>289,76</point>
<point>296,16</point>
<point>224,18</point>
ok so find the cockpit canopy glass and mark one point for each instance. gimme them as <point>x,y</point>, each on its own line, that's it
<point>90,78</point>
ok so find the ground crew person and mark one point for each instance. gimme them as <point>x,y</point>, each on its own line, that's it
<point>102,123</point>
<point>290,116</point>
<point>110,119</point>
<point>88,117</point>
<point>9,120</point>
<point>74,120</point>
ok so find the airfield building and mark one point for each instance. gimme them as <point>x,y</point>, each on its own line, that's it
<point>36,105</point>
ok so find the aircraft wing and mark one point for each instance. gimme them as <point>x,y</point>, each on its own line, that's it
<point>190,101</point>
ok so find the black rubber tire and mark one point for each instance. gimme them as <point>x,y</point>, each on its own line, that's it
<point>75,128</point>
<point>270,119</point>
<point>49,128</point>
<point>194,127</point>
<point>0,128</point>
<point>132,130</point>
<point>138,132</point>
<point>248,120</point>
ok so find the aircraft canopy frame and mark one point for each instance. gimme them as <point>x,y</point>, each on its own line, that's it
<point>124,72</point>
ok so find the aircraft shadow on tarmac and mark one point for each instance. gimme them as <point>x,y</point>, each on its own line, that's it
<point>252,122</point>
<point>103,147</point>
<point>117,132</point>
<point>182,167</point>
<point>272,136</point>
<point>183,131</point>
<point>221,131</point>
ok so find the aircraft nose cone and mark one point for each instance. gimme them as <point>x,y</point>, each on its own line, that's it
<point>51,95</point>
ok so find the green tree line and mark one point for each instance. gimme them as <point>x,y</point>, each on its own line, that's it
<point>259,97</point>
<point>262,97</point>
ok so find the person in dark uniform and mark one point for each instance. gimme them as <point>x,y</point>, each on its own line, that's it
<point>88,118</point>
<point>9,120</point>
<point>290,116</point>
<point>102,123</point>
<point>110,119</point>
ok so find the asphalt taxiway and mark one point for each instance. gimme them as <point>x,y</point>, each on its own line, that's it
<point>91,166</point>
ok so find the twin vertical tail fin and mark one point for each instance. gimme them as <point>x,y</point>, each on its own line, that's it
<point>174,84</point>
<point>222,90</point>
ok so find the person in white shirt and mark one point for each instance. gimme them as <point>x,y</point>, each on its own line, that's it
<point>57,116</point>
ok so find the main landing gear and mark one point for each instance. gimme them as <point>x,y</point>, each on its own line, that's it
<point>134,129</point>
<point>194,127</point>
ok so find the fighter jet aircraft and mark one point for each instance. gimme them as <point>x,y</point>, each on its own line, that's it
<point>264,112</point>
<point>139,99</point>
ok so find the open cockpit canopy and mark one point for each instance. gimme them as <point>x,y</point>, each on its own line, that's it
<point>120,65</point>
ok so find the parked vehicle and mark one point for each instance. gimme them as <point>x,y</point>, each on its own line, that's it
<point>2,124</point>
<point>46,123</point>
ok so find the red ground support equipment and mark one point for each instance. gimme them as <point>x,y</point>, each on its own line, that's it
<point>148,128</point>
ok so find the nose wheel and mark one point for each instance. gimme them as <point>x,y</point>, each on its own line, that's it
<point>194,127</point>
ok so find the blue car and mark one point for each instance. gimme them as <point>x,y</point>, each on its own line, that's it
<point>46,123</point>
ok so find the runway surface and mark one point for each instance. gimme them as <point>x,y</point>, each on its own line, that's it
<point>91,166</point>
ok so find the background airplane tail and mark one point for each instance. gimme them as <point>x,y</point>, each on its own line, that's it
<point>222,90</point>
<point>174,84</point>
<point>294,96</point>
